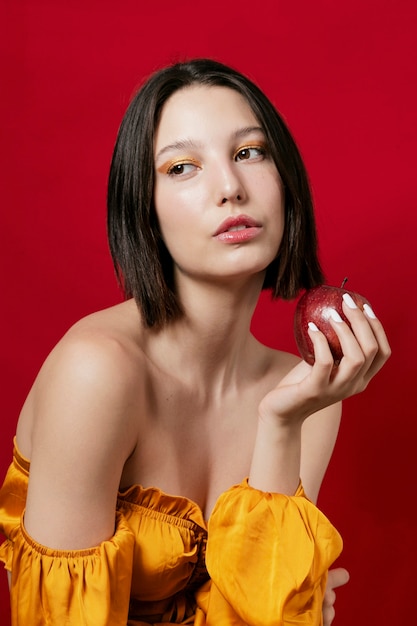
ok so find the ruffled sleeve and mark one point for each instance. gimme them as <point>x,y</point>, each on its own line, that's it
<point>268,556</point>
<point>76,588</point>
<point>51,587</point>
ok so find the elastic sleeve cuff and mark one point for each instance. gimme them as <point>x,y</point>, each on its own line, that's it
<point>88,587</point>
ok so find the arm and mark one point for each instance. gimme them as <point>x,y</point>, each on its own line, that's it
<point>268,556</point>
<point>72,556</point>
<point>80,440</point>
<point>306,390</point>
<point>318,438</point>
<point>272,533</point>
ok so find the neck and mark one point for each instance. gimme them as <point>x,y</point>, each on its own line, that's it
<point>214,335</point>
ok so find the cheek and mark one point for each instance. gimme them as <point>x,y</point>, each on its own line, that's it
<point>178,207</point>
<point>174,217</point>
<point>280,204</point>
<point>166,207</point>
<point>277,212</point>
<point>269,185</point>
<point>274,198</point>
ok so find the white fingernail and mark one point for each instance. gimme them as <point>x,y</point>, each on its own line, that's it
<point>349,301</point>
<point>313,327</point>
<point>369,312</point>
<point>328,313</point>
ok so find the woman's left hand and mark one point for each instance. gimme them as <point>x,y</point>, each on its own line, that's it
<point>336,578</point>
<point>307,389</point>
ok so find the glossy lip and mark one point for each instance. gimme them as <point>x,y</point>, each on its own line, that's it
<point>233,221</point>
<point>225,235</point>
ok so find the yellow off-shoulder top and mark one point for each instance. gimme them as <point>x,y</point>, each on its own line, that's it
<point>260,560</point>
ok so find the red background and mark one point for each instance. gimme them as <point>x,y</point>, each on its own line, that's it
<point>344,76</point>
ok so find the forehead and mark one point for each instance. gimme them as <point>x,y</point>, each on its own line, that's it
<point>200,110</point>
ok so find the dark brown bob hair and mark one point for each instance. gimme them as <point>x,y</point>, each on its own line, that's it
<point>143,265</point>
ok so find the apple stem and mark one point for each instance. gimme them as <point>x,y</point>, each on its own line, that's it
<point>344,282</point>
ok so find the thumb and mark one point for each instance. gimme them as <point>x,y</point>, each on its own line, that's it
<point>337,577</point>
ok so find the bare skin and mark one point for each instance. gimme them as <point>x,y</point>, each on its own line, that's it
<point>149,432</point>
<point>199,405</point>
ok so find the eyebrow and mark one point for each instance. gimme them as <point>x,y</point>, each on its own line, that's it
<point>182,144</point>
<point>247,130</point>
<point>188,144</point>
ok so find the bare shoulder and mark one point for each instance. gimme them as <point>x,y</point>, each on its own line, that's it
<point>78,427</point>
<point>87,382</point>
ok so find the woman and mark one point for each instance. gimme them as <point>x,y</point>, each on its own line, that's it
<point>166,444</point>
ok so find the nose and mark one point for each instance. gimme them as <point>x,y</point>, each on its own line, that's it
<point>236,197</point>
<point>230,187</point>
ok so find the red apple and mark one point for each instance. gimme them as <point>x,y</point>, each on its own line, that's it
<point>314,307</point>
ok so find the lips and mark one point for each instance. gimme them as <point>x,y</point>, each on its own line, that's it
<point>237,229</point>
<point>236,224</point>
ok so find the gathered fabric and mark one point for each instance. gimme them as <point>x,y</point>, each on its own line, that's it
<point>260,560</point>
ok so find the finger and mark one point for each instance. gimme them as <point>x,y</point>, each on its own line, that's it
<point>369,333</point>
<point>337,577</point>
<point>361,327</point>
<point>323,358</point>
<point>384,348</point>
<point>358,342</point>
<point>328,615</point>
<point>354,359</point>
<point>329,598</point>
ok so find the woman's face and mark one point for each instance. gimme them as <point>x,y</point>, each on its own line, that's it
<point>218,195</point>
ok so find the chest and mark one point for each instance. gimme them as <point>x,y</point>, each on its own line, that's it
<point>191,446</point>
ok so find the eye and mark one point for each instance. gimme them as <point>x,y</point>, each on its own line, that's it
<point>249,152</point>
<point>181,169</point>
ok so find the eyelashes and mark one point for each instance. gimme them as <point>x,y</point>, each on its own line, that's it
<point>186,165</point>
<point>245,153</point>
<point>178,167</point>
